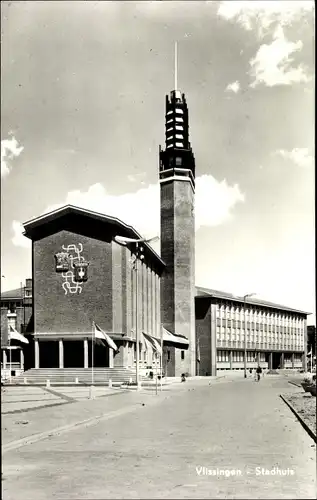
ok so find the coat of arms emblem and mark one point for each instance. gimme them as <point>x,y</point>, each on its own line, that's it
<point>61,262</point>
<point>81,271</point>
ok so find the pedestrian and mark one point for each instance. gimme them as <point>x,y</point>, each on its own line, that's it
<point>258,372</point>
<point>250,371</point>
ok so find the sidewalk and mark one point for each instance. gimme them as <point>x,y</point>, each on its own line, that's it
<point>163,450</point>
<point>48,419</point>
<point>68,407</point>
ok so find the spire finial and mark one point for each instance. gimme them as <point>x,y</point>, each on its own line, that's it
<point>175,69</point>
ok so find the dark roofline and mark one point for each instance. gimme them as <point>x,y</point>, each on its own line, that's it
<point>207,292</point>
<point>15,294</point>
<point>31,226</point>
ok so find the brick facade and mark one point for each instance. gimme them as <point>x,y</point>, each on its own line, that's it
<point>56,311</point>
<point>4,326</point>
<point>178,286</point>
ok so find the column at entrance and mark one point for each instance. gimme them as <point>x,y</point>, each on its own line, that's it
<point>4,359</point>
<point>85,353</point>
<point>230,359</point>
<point>61,353</point>
<point>293,360</point>
<point>282,361</point>
<point>270,361</point>
<point>37,353</point>
<point>21,359</point>
<point>110,358</point>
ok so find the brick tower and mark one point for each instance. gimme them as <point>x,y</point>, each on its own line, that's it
<point>177,186</point>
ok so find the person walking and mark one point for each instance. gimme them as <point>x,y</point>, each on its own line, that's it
<point>258,373</point>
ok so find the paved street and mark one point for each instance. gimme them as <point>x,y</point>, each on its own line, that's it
<point>158,450</point>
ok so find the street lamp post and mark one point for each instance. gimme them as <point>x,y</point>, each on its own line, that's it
<point>248,295</point>
<point>124,242</point>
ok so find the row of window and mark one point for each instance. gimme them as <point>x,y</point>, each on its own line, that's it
<point>238,356</point>
<point>260,328</point>
<point>236,334</point>
<point>261,315</point>
<point>236,323</point>
<point>263,341</point>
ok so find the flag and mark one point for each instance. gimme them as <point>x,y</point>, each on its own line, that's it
<point>198,351</point>
<point>100,334</point>
<point>154,343</point>
<point>147,343</point>
<point>173,340</point>
<point>15,335</point>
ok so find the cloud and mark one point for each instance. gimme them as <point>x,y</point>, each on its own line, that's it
<point>233,87</point>
<point>9,150</point>
<point>299,156</point>
<point>271,64</point>
<point>260,15</point>
<point>141,209</point>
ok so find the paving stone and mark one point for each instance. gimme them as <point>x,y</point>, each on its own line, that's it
<point>154,451</point>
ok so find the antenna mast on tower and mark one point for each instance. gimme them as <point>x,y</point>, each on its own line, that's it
<point>175,68</point>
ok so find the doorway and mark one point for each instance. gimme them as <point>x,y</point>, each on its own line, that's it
<point>73,354</point>
<point>276,360</point>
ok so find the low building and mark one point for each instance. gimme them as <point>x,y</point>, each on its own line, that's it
<point>16,313</point>
<point>276,336</point>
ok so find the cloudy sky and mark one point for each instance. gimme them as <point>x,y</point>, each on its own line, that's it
<point>83,95</point>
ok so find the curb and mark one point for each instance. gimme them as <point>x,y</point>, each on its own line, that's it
<point>34,438</point>
<point>307,429</point>
<point>294,383</point>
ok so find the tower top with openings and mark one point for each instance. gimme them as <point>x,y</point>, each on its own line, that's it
<point>177,158</point>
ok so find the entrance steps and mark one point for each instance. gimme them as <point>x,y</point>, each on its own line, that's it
<point>39,376</point>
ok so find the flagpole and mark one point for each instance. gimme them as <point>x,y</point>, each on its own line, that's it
<point>92,357</point>
<point>161,356</point>
<point>10,361</point>
<point>137,341</point>
<point>92,362</point>
<point>156,374</point>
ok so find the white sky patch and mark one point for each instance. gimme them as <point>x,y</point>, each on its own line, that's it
<point>18,239</point>
<point>272,63</point>
<point>233,87</point>
<point>141,209</point>
<point>299,156</point>
<point>260,14</point>
<point>9,150</point>
<point>139,177</point>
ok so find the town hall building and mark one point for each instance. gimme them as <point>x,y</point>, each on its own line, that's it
<point>81,275</point>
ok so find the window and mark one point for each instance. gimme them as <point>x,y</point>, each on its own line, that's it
<point>168,355</point>
<point>178,161</point>
<point>182,354</point>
